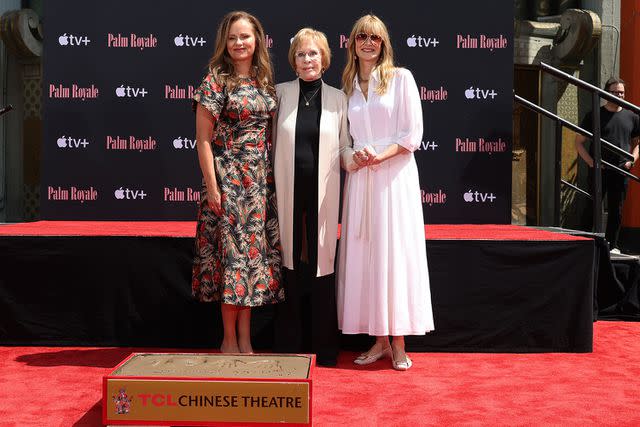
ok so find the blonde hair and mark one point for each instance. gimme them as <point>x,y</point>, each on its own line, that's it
<point>369,24</point>
<point>316,36</point>
<point>221,64</point>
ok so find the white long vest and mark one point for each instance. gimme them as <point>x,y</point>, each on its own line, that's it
<point>334,140</point>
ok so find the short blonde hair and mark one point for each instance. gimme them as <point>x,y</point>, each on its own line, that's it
<point>319,38</point>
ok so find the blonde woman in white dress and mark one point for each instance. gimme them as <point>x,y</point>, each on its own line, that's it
<point>383,281</point>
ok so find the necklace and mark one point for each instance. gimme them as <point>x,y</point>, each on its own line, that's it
<point>309,100</point>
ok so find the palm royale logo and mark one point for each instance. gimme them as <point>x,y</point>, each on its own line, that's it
<point>482,41</point>
<point>433,95</point>
<point>72,193</point>
<point>480,145</point>
<point>132,41</point>
<point>176,194</point>
<point>343,40</point>
<point>131,143</point>
<point>433,198</point>
<point>178,92</point>
<point>60,91</point>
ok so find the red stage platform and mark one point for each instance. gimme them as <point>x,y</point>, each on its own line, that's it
<point>187,229</point>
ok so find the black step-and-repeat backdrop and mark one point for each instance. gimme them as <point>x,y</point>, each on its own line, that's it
<point>119,75</point>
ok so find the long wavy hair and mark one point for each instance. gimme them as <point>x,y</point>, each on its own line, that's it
<point>369,24</point>
<point>221,64</point>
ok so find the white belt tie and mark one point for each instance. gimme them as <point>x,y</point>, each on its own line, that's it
<point>379,146</point>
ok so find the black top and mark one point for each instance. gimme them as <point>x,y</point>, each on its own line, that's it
<point>619,128</point>
<point>308,131</point>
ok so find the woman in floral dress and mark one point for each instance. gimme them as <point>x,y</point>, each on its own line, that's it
<point>237,258</point>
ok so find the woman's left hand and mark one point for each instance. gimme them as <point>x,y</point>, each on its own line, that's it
<point>373,158</point>
<point>361,158</point>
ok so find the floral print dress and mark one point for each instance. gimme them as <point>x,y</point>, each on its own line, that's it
<point>237,259</point>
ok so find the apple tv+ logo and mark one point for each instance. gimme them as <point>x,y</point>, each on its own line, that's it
<point>128,194</point>
<point>181,143</point>
<point>73,40</point>
<point>477,93</point>
<point>188,41</point>
<point>428,145</point>
<point>419,41</point>
<point>71,143</point>
<point>478,197</point>
<point>130,92</point>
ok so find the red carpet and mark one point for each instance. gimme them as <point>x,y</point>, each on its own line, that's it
<point>61,387</point>
<point>188,229</point>
<point>101,228</point>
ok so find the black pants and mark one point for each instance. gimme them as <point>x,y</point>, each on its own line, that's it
<point>307,322</point>
<point>614,188</point>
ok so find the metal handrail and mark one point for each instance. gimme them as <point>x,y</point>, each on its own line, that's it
<point>577,129</point>
<point>598,142</point>
<point>6,109</point>
<point>576,188</point>
<point>588,86</point>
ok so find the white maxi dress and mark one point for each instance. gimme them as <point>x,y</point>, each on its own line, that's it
<point>383,280</point>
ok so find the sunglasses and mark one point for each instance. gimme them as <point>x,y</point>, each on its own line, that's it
<point>363,37</point>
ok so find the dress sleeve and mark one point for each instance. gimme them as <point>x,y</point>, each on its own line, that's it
<point>211,95</point>
<point>274,122</point>
<point>346,143</point>
<point>409,130</point>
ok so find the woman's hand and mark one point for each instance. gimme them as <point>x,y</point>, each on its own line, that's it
<point>372,157</point>
<point>214,198</point>
<point>361,157</point>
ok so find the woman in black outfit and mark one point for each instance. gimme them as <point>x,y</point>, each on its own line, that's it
<point>310,136</point>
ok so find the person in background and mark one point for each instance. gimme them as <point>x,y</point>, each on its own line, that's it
<point>620,127</point>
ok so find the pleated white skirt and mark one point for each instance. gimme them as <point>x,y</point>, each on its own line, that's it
<point>383,279</point>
